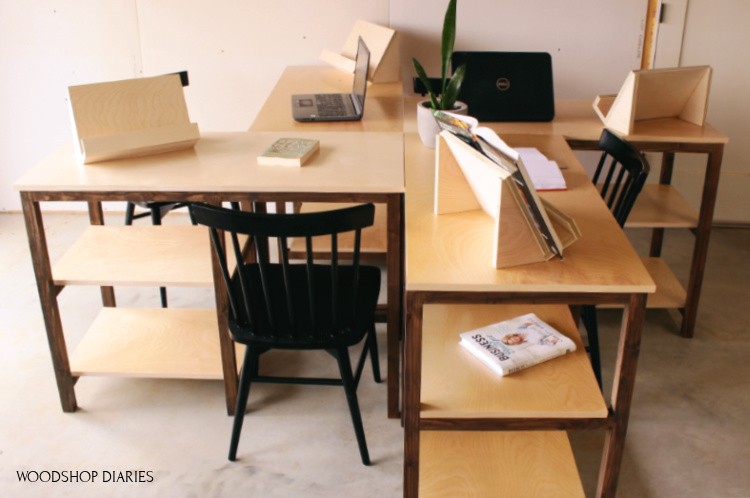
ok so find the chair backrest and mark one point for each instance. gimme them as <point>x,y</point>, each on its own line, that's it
<point>620,174</point>
<point>273,296</point>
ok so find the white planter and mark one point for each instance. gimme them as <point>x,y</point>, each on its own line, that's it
<point>426,124</point>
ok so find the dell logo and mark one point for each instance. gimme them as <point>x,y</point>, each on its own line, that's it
<point>502,84</point>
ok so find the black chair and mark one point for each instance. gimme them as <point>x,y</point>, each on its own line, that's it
<point>156,211</point>
<point>620,175</point>
<point>297,305</point>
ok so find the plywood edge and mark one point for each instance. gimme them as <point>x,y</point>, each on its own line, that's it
<point>521,463</point>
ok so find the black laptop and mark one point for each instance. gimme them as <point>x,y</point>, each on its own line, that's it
<point>507,86</point>
<point>337,106</point>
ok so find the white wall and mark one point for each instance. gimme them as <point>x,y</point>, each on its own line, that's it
<point>716,34</point>
<point>234,50</point>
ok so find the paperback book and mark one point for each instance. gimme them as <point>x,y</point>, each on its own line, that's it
<point>289,152</point>
<point>515,344</point>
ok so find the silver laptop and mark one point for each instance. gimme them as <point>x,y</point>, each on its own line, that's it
<point>337,106</point>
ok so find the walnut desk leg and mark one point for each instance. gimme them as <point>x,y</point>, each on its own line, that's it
<point>702,236</point>
<point>96,217</point>
<point>48,292</point>
<point>395,274</point>
<point>412,392</point>
<point>622,394</point>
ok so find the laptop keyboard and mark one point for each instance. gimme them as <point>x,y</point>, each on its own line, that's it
<point>330,104</point>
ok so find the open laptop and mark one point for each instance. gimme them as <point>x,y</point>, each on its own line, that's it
<point>507,86</point>
<point>337,106</point>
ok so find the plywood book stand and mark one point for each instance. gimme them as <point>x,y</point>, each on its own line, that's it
<point>680,93</point>
<point>129,118</point>
<point>466,180</point>
<point>384,52</point>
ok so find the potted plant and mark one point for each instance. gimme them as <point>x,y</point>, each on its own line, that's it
<point>444,98</point>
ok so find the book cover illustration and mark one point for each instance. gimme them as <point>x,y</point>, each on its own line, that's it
<point>289,152</point>
<point>515,344</point>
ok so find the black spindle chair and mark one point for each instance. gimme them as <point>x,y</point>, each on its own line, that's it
<point>298,305</point>
<point>620,175</point>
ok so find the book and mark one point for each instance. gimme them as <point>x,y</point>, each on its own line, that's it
<point>515,344</point>
<point>289,152</point>
<point>491,147</point>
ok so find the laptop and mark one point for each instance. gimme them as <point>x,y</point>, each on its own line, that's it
<point>507,86</point>
<point>337,106</point>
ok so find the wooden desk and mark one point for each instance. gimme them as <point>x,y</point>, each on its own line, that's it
<point>383,113</point>
<point>362,167</point>
<point>448,260</point>
<point>660,206</point>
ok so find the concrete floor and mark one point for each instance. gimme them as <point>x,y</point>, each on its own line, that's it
<point>688,436</point>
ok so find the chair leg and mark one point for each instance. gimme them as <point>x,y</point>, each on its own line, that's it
<point>129,213</point>
<point>249,368</point>
<point>373,343</point>
<point>588,316</point>
<point>345,368</point>
<point>156,217</point>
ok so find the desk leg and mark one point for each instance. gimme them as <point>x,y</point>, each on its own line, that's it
<point>665,178</point>
<point>48,299</point>
<point>395,269</point>
<point>622,394</point>
<point>96,217</point>
<point>702,236</point>
<point>412,392</point>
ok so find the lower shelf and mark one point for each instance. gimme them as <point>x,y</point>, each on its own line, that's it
<point>157,343</point>
<point>455,464</point>
<point>455,384</point>
<point>662,206</point>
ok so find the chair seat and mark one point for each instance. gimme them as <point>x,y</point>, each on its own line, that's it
<point>302,328</point>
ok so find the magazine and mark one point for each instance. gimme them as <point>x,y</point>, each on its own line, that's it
<point>515,344</point>
<point>486,141</point>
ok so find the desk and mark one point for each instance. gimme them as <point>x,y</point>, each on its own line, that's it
<point>448,260</point>
<point>383,113</point>
<point>362,167</point>
<point>660,206</point>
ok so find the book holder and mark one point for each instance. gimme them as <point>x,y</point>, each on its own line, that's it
<point>466,180</point>
<point>680,93</point>
<point>131,118</point>
<point>384,52</point>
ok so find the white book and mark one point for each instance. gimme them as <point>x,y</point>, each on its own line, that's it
<point>515,344</point>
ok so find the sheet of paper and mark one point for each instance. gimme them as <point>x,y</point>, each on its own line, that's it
<point>544,174</point>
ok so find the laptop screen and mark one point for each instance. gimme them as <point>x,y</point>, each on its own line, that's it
<point>360,71</point>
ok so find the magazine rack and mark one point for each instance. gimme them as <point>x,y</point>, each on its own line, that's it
<point>384,52</point>
<point>133,117</point>
<point>471,181</point>
<point>680,93</point>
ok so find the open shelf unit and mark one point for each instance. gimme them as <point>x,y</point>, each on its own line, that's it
<point>144,342</point>
<point>465,408</point>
